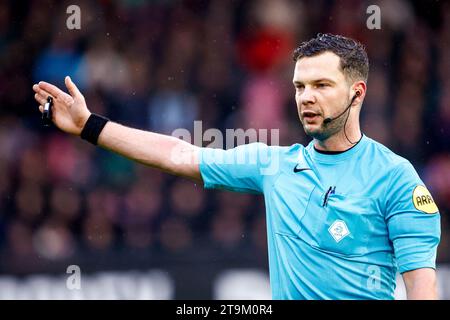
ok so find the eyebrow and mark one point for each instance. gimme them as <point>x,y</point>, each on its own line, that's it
<point>296,82</point>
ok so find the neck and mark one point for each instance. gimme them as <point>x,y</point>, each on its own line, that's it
<point>338,141</point>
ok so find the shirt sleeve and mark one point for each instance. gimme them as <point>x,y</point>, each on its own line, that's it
<point>413,220</point>
<point>241,169</point>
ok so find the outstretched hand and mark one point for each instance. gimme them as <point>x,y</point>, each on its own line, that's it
<point>69,112</point>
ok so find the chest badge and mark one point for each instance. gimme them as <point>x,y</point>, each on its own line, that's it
<point>338,230</point>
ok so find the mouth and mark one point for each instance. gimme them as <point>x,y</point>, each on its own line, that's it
<point>310,116</point>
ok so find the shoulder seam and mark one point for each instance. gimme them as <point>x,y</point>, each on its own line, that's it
<point>391,172</point>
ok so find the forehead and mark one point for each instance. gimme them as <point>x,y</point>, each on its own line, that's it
<point>324,65</point>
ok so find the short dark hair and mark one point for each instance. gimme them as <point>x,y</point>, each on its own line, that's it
<point>353,56</point>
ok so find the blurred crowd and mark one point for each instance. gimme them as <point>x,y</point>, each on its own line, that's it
<point>161,65</point>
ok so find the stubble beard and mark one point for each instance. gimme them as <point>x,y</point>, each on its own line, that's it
<point>325,131</point>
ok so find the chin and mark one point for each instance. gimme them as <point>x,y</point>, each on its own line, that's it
<point>316,132</point>
<point>310,132</point>
<point>312,129</point>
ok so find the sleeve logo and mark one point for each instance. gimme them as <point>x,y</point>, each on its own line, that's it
<point>423,201</point>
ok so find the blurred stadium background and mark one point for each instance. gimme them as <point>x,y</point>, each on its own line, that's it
<point>137,233</point>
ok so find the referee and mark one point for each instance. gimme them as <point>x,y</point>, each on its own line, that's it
<point>344,213</point>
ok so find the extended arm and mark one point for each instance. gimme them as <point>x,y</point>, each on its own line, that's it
<point>156,150</point>
<point>167,153</point>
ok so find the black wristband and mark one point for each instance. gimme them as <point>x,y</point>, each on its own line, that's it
<point>94,125</point>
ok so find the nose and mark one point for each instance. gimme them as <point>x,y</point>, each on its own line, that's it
<point>307,96</point>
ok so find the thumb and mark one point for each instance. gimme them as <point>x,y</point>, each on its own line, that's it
<point>73,90</point>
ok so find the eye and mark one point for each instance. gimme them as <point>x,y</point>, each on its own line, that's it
<point>322,85</point>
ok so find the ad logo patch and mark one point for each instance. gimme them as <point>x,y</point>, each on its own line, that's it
<point>338,230</point>
<point>423,200</point>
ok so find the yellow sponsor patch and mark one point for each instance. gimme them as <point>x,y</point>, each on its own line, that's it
<point>423,200</point>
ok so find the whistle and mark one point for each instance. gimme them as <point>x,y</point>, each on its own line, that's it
<point>47,114</point>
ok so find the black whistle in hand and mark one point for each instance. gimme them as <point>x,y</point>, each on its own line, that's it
<point>47,114</point>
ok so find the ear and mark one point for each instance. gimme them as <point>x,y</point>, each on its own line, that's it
<point>359,89</point>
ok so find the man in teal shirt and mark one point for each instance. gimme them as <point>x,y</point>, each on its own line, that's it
<point>337,229</point>
<point>343,213</point>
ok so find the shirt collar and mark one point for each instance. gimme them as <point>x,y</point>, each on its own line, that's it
<point>333,158</point>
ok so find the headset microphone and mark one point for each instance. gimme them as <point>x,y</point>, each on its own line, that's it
<point>328,120</point>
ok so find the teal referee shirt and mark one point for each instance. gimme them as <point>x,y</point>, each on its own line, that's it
<point>339,226</point>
